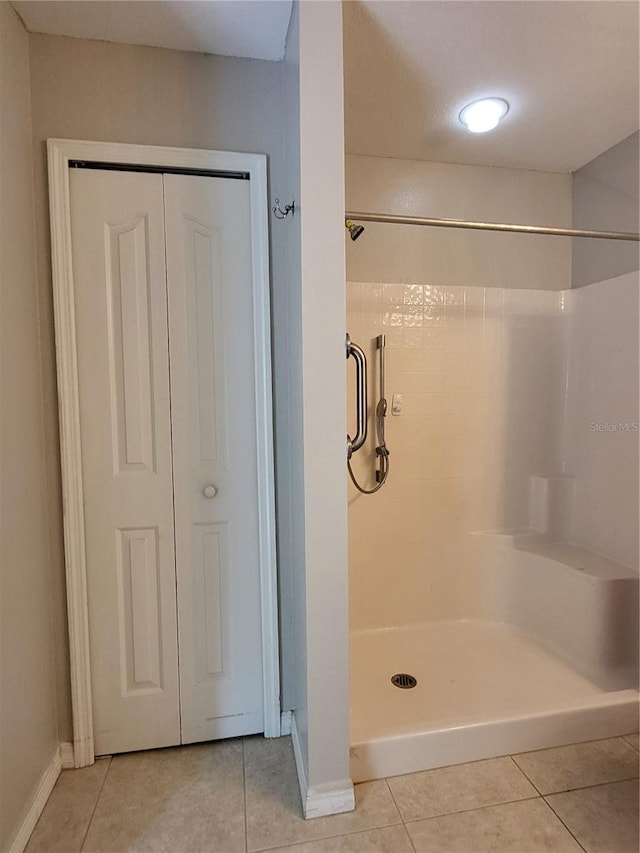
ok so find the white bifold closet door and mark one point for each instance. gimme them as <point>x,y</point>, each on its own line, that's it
<point>164,324</point>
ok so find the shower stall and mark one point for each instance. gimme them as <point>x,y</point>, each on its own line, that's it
<point>494,573</point>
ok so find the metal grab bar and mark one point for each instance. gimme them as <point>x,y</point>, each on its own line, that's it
<point>360,359</point>
<point>382,451</point>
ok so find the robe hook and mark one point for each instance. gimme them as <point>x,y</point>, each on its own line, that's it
<point>282,213</point>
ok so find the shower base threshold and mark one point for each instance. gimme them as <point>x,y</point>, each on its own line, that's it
<point>483,690</point>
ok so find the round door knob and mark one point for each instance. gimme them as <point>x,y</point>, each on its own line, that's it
<point>209,491</point>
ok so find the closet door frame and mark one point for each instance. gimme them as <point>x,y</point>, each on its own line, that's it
<point>60,153</point>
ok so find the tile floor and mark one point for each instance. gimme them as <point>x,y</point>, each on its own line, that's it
<point>242,795</point>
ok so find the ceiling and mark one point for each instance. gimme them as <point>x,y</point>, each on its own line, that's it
<point>256,29</point>
<point>569,70</point>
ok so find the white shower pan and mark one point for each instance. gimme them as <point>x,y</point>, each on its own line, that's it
<point>551,667</point>
<point>483,689</point>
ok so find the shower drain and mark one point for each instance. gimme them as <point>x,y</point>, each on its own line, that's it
<point>401,679</point>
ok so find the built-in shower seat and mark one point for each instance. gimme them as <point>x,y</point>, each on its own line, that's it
<point>580,605</point>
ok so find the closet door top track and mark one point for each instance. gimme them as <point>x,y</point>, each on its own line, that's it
<point>164,170</point>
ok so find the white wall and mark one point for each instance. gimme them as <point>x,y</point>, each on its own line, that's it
<point>287,346</point>
<point>606,196</point>
<point>603,356</point>
<point>326,727</point>
<point>28,736</point>
<point>600,440</point>
<point>95,90</point>
<point>445,256</point>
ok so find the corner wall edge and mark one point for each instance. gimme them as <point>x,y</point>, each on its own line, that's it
<point>333,798</point>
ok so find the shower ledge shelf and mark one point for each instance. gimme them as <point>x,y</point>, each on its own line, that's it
<point>581,559</point>
<point>511,537</point>
<point>565,553</point>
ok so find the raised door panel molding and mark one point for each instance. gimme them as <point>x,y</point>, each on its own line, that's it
<point>210,549</point>
<point>205,325</point>
<point>140,607</point>
<point>130,345</point>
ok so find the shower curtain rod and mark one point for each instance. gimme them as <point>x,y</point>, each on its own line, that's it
<point>392,219</point>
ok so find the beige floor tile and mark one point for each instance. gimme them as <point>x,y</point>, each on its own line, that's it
<point>579,765</point>
<point>274,812</point>
<point>180,800</point>
<point>391,839</point>
<point>64,821</point>
<point>464,786</point>
<point>634,740</point>
<point>527,827</point>
<point>604,819</point>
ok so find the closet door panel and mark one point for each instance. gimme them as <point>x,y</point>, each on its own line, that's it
<point>121,321</point>
<point>214,442</point>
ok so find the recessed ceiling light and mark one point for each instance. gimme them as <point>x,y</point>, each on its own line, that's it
<point>483,115</point>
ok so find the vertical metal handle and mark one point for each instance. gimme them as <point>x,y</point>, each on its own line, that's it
<point>360,359</point>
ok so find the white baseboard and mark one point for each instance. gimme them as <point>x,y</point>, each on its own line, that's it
<point>334,798</point>
<point>35,807</point>
<point>285,723</point>
<point>67,758</point>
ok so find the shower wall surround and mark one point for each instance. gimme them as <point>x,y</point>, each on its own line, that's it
<point>498,385</point>
<point>601,430</point>
<point>482,389</point>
